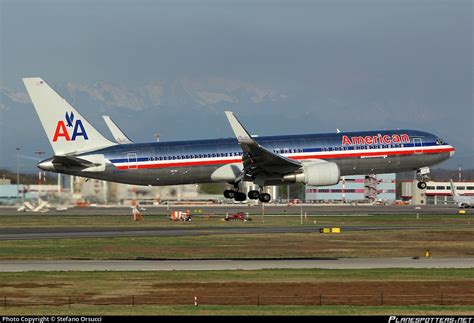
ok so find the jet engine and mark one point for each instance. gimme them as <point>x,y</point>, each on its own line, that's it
<point>316,174</point>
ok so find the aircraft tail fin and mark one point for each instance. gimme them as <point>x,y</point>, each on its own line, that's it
<point>453,189</point>
<point>68,132</point>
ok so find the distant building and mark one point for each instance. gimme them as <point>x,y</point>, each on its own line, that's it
<point>9,194</point>
<point>5,181</point>
<point>101,192</point>
<point>435,193</point>
<point>368,188</point>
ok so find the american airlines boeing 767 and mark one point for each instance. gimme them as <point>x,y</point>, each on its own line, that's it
<point>312,159</point>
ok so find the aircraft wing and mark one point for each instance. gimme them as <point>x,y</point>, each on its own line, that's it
<point>118,134</point>
<point>258,161</point>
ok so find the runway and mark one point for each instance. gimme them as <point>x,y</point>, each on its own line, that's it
<point>269,209</point>
<point>68,233</point>
<point>226,264</point>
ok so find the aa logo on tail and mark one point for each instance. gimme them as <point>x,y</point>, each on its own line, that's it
<point>62,131</point>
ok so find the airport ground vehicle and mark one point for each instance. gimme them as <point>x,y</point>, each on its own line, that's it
<point>239,216</point>
<point>180,216</point>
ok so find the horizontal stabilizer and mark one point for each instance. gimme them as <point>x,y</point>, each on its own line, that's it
<point>70,162</point>
<point>73,162</point>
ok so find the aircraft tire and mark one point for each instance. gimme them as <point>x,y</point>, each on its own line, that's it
<point>421,185</point>
<point>230,194</point>
<point>240,197</point>
<point>265,197</point>
<point>253,195</point>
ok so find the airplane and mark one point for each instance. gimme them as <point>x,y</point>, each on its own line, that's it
<point>117,133</point>
<point>462,201</point>
<point>42,207</point>
<point>312,159</point>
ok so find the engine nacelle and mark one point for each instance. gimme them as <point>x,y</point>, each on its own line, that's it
<point>317,174</point>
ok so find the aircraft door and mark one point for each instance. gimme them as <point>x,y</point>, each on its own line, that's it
<point>132,161</point>
<point>418,145</point>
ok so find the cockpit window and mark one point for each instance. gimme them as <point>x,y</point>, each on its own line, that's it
<point>439,141</point>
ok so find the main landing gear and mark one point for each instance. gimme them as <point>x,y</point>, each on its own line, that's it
<point>422,173</point>
<point>253,195</point>
<point>236,195</point>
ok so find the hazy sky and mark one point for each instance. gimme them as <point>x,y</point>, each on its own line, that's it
<point>401,52</point>
<point>283,41</point>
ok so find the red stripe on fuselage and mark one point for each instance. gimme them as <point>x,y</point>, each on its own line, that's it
<point>318,156</point>
<point>183,164</point>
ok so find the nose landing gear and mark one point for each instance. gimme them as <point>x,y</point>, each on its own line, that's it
<point>421,185</point>
<point>422,174</point>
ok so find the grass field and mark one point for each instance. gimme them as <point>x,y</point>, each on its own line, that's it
<point>187,310</point>
<point>444,236</point>
<point>280,292</point>
<point>408,243</point>
<point>172,293</point>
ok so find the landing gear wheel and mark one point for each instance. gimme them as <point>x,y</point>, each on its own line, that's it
<point>421,185</point>
<point>265,197</point>
<point>253,195</point>
<point>423,177</point>
<point>229,194</point>
<point>240,197</point>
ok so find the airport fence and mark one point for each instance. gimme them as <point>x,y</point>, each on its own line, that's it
<point>380,299</point>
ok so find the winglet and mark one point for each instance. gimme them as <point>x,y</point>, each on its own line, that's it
<point>118,134</point>
<point>240,133</point>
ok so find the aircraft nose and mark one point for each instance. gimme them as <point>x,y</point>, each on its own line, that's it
<point>46,165</point>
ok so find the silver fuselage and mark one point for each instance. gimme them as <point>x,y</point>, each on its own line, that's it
<point>189,162</point>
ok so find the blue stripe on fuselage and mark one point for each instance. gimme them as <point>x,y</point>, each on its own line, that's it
<point>303,143</point>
